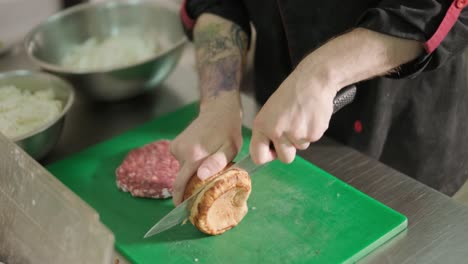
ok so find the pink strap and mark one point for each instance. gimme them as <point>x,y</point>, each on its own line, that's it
<point>446,25</point>
<point>188,22</point>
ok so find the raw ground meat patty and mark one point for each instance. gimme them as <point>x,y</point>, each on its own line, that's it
<point>148,171</point>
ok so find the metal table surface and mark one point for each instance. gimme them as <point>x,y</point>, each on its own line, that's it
<point>438,225</point>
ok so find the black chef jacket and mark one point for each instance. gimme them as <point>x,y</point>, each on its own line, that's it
<point>415,120</point>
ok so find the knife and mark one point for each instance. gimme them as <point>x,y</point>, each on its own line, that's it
<point>182,211</point>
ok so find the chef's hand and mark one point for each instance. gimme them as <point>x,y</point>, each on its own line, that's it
<point>299,111</point>
<point>295,115</point>
<point>209,143</point>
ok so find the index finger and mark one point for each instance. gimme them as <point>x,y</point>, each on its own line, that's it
<point>260,148</point>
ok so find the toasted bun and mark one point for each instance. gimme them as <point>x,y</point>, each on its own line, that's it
<point>222,203</point>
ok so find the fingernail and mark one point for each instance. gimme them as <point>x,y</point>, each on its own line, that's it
<point>203,173</point>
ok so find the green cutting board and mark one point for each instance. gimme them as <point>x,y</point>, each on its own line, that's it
<point>298,213</point>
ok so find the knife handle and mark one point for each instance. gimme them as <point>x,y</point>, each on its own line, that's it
<point>344,97</point>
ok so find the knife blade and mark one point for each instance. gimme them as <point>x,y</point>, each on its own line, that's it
<point>248,165</point>
<point>176,216</point>
<point>182,211</point>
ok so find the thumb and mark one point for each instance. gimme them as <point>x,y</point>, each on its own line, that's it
<point>185,173</point>
<point>216,162</point>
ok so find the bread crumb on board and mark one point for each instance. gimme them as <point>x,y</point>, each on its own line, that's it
<point>185,221</point>
<point>253,208</point>
<point>196,260</point>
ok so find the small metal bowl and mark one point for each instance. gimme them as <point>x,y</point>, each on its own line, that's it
<point>39,142</point>
<point>49,42</point>
<point>4,47</point>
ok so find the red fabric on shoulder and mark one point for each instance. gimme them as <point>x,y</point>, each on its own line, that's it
<point>188,22</point>
<point>446,25</point>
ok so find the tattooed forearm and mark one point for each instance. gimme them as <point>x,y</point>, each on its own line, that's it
<point>220,48</point>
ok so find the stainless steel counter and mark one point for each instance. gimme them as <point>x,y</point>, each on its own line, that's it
<point>438,226</point>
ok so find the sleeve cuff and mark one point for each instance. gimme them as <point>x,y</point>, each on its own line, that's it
<point>389,22</point>
<point>411,69</point>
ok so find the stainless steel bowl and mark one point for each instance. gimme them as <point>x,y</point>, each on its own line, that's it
<point>39,142</point>
<point>48,43</point>
<point>4,47</point>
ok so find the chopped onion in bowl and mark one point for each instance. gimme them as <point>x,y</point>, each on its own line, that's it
<point>123,49</point>
<point>23,111</point>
